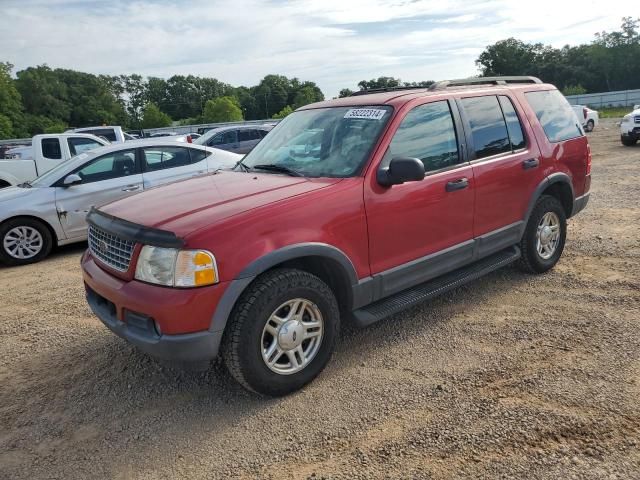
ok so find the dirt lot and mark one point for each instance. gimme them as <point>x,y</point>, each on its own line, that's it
<point>513,376</point>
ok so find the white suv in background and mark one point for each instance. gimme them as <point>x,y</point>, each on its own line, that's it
<point>630,127</point>
<point>588,118</point>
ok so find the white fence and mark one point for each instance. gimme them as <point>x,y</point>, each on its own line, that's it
<point>621,98</point>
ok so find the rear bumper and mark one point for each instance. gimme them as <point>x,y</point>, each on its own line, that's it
<point>579,203</point>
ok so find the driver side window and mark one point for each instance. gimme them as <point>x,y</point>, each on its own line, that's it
<point>113,165</point>
<point>427,133</point>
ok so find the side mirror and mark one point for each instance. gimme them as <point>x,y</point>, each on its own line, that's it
<point>73,179</point>
<point>400,170</point>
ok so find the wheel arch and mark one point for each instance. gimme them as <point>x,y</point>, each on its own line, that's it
<point>557,185</point>
<point>325,261</point>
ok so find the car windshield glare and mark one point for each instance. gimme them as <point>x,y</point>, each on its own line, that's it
<point>323,142</point>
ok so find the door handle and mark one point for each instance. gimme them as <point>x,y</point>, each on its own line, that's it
<point>457,184</point>
<point>531,163</point>
<point>131,188</point>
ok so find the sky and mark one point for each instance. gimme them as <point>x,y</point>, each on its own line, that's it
<point>335,43</point>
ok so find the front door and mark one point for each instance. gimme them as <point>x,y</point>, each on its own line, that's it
<point>419,229</point>
<point>104,179</point>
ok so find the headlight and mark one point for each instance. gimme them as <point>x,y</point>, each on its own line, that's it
<point>626,119</point>
<point>176,268</point>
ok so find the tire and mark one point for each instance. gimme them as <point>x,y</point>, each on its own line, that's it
<point>247,339</point>
<point>628,141</point>
<point>589,126</point>
<point>540,258</point>
<point>38,237</point>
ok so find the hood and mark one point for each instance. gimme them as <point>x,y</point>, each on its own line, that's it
<point>185,206</point>
<point>11,193</point>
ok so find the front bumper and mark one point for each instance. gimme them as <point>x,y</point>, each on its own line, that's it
<point>166,323</point>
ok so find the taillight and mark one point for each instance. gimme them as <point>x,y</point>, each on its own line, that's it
<point>584,112</point>
<point>588,160</point>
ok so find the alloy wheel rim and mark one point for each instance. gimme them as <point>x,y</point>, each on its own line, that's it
<point>292,336</point>
<point>23,242</point>
<point>548,235</point>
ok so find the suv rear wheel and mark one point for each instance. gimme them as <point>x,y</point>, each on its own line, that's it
<point>282,332</point>
<point>589,126</point>
<point>543,240</point>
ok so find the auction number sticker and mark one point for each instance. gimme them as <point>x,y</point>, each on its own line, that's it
<point>366,113</point>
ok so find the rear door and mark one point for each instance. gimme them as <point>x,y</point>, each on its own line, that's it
<point>166,164</point>
<point>506,168</point>
<point>104,179</point>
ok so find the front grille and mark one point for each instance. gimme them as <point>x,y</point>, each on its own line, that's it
<point>110,249</point>
<point>636,119</point>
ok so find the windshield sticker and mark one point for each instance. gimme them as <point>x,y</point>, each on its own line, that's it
<point>366,113</point>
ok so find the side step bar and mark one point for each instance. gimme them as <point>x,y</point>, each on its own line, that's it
<point>407,298</point>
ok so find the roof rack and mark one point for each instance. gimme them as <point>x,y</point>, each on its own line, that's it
<point>385,89</point>
<point>482,81</point>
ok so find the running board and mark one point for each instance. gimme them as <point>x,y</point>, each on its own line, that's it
<point>407,298</point>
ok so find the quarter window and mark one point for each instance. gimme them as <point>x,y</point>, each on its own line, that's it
<point>51,148</point>
<point>113,165</point>
<point>488,128</point>
<point>427,133</point>
<point>198,155</point>
<point>161,158</point>
<point>513,123</point>
<point>555,115</point>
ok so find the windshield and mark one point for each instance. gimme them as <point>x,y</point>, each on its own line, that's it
<point>324,142</point>
<point>53,175</point>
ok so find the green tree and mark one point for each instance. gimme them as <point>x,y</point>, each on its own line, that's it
<point>574,90</point>
<point>152,117</point>
<point>11,108</point>
<point>345,92</point>
<point>223,109</point>
<point>284,112</point>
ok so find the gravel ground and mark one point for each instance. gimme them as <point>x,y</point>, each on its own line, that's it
<point>513,376</point>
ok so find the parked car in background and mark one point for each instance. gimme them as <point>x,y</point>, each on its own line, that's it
<point>110,133</point>
<point>163,134</point>
<point>630,127</point>
<point>46,152</point>
<point>51,210</point>
<point>385,200</point>
<point>234,138</point>
<point>587,117</point>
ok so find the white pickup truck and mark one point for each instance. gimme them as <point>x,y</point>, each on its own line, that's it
<point>588,118</point>
<point>630,127</point>
<point>111,133</point>
<point>47,151</point>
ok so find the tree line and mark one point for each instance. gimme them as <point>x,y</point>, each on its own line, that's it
<point>45,100</point>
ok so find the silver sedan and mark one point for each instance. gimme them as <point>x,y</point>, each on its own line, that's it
<point>51,210</point>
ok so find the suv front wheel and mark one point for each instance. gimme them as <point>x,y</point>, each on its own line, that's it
<point>282,332</point>
<point>543,240</point>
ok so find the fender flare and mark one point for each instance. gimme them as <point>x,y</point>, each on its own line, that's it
<point>260,265</point>
<point>557,177</point>
<point>11,180</point>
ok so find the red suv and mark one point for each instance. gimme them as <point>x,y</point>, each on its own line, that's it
<point>351,208</point>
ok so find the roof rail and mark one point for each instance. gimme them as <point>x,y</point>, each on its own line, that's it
<point>482,81</point>
<point>385,89</point>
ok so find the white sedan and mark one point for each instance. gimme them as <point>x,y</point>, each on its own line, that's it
<point>51,210</point>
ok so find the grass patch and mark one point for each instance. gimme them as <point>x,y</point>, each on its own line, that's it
<point>613,112</point>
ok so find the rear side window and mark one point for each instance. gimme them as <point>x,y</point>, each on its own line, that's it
<point>427,133</point>
<point>161,158</point>
<point>198,155</point>
<point>81,144</point>
<point>224,138</point>
<point>555,115</point>
<point>488,128</point>
<point>51,148</point>
<point>513,123</point>
<point>248,134</point>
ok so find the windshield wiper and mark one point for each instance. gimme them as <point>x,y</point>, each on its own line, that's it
<point>278,169</point>
<point>241,164</point>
